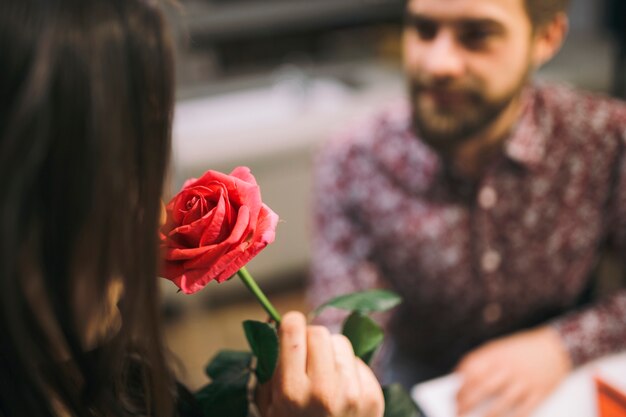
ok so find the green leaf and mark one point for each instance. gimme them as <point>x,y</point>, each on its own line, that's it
<point>220,399</point>
<point>264,343</point>
<point>364,301</point>
<point>398,402</point>
<point>364,334</point>
<point>227,394</point>
<point>228,362</point>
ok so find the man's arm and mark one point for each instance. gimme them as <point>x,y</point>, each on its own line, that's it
<point>601,329</point>
<point>517,372</point>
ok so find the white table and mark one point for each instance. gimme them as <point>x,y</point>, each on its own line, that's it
<point>575,397</point>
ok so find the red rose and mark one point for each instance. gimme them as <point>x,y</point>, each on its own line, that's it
<point>214,226</point>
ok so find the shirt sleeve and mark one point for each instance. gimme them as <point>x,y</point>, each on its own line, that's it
<point>341,246</point>
<point>601,328</point>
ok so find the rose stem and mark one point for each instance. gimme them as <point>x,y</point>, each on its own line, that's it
<point>254,288</point>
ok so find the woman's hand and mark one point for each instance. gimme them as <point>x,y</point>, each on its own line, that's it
<point>318,376</point>
<point>514,373</point>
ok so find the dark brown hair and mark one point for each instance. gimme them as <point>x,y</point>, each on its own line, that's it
<point>86,96</point>
<point>541,12</point>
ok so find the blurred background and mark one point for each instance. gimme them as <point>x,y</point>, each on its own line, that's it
<point>262,83</point>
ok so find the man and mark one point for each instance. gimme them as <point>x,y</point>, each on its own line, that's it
<point>485,204</point>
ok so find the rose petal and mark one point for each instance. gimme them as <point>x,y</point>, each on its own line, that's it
<point>243,173</point>
<point>189,183</point>
<point>248,251</point>
<point>214,176</point>
<point>207,230</point>
<point>227,226</point>
<point>217,225</point>
<point>199,209</point>
<point>240,192</point>
<point>192,280</point>
<point>264,235</point>
<point>174,272</point>
<point>237,235</point>
<point>203,276</point>
<point>266,226</point>
<point>238,262</point>
<point>185,254</point>
<point>178,253</point>
<point>176,209</point>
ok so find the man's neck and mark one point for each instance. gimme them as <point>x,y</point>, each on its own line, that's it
<point>469,159</point>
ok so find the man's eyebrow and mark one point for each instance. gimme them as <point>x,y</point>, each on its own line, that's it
<point>480,23</point>
<point>483,22</point>
<point>414,18</point>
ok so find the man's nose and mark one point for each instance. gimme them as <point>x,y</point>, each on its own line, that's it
<point>443,57</point>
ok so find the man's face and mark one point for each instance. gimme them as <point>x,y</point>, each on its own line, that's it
<point>466,61</point>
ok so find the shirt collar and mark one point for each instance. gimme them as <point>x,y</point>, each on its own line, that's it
<point>417,165</point>
<point>527,142</point>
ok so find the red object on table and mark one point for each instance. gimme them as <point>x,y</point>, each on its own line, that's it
<point>611,401</point>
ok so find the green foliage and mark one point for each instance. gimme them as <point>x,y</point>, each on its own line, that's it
<point>264,343</point>
<point>228,364</point>
<point>227,394</point>
<point>230,371</point>
<point>220,399</point>
<point>365,302</point>
<point>364,334</point>
<point>398,402</point>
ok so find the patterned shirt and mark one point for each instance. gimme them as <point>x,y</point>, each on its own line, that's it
<point>475,260</point>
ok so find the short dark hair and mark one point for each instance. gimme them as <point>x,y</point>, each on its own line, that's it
<point>541,12</point>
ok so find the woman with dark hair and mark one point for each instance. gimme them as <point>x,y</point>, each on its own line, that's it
<point>86,100</point>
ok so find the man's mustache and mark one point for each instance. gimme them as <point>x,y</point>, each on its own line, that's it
<point>442,87</point>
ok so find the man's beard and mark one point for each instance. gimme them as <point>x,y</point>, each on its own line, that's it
<point>465,110</point>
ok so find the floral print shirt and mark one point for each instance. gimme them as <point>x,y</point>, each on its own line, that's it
<point>478,260</point>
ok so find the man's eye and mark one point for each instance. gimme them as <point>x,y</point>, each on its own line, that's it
<point>425,30</point>
<point>476,38</point>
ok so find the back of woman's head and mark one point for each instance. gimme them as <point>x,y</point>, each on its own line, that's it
<point>85,118</point>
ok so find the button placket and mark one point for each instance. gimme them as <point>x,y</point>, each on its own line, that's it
<point>488,257</point>
<point>490,261</point>
<point>487,197</point>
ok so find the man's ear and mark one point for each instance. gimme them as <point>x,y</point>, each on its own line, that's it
<point>549,38</point>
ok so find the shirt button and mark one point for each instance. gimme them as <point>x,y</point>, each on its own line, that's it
<point>487,198</point>
<point>492,313</point>
<point>490,261</point>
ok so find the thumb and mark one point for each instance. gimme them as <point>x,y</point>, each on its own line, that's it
<point>263,397</point>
